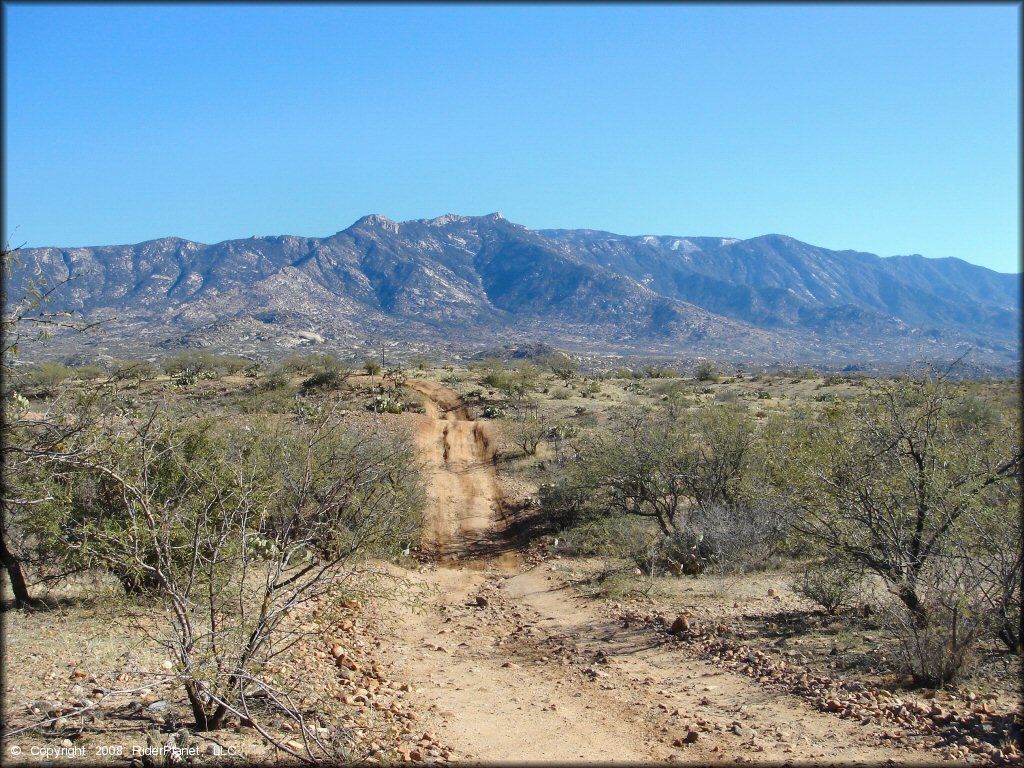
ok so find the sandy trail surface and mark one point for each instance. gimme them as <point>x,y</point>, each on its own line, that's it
<point>509,664</point>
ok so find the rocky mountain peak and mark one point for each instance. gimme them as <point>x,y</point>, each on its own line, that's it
<point>377,220</point>
<point>448,218</point>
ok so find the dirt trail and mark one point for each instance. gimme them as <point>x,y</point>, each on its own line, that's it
<point>508,664</point>
<point>463,503</point>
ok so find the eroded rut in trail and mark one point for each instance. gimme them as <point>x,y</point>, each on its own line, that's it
<point>508,664</point>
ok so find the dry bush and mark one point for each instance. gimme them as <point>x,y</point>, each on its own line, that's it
<point>942,648</point>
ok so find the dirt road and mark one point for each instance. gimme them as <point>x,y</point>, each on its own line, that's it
<point>509,665</point>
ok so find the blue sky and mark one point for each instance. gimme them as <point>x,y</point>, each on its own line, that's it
<point>889,129</point>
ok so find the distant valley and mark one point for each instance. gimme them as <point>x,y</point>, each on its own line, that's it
<point>476,282</point>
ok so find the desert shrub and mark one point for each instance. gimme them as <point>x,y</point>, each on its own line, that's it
<point>654,372</point>
<point>384,404</point>
<point>396,375</point>
<point>277,377</point>
<point>599,537</point>
<point>680,553</point>
<point>88,372</point>
<point>671,388</point>
<point>45,379</point>
<point>901,478</point>
<point>529,430</point>
<point>561,394</point>
<point>230,527</point>
<point>564,505</point>
<point>189,362</point>
<point>706,370</point>
<point>492,412</point>
<point>746,536</point>
<point>514,383</point>
<point>830,584</point>
<point>185,378</point>
<point>325,379</point>
<point>412,402</point>
<point>139,370</point>
<point>719,538</point>
<point>329,375</point>
<point>564,368</point>
<point>296,364</point>
<point>940,648</point>
<point>762,394</point>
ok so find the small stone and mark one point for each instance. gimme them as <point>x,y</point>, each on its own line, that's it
<point>681,624</point>
<point>771,592</point>
<point>481,601</point>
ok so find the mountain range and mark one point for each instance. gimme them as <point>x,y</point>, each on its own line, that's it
<point>473,281</point>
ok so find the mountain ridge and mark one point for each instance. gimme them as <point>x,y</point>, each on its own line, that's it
<point>470,277</point>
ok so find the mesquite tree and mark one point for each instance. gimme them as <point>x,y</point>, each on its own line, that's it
<point>910,474</point>
<point>232,527</point>
<point>28,441</point>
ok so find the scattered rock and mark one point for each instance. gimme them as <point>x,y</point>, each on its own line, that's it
<point>681,624</point>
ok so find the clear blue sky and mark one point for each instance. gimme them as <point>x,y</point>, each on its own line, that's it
<point>890,129</point>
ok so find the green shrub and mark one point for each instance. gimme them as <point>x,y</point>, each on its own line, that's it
<point>384,404</point>
<point>832,585</point>
<point>653,372</point>
<point>326,379</point>
<point>88,372</point>
<point>706,371</point>
<point>139,370</point>
<point>277,377</point>
<point>45,378</point>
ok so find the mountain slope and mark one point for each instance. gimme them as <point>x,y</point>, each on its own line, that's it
<point>465,279</point>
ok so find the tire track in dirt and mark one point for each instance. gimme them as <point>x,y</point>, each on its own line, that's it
<point>509,664</point>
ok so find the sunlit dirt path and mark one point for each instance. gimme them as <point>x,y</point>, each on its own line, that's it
<point>508,664</point>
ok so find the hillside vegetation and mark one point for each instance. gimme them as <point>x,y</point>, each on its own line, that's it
<point>207,517</point>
